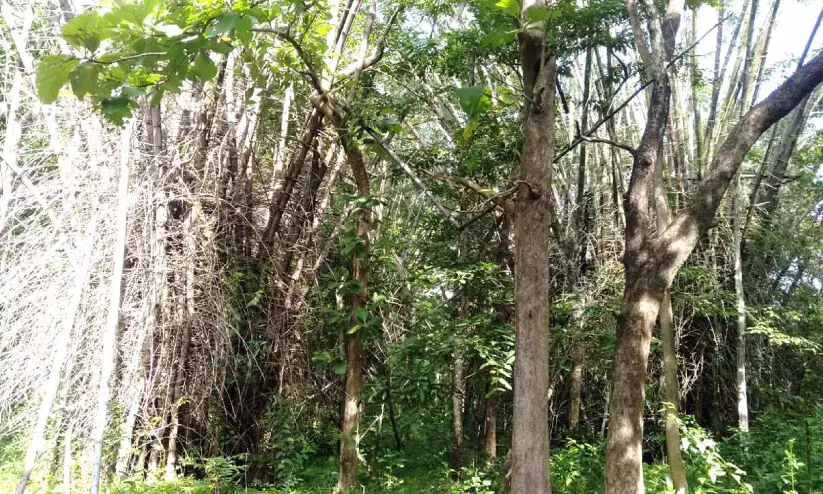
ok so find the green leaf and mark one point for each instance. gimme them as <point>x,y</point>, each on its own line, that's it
<point>84,30</point>
<point>52,72</point>
<point>204,69</point>
<point>353,329</point>
<point>116,109</point>
<point>539,13</point>
<point>501,36</point>
<point>224,24</point>
<point>361,313</point>
<point>389,124</point>
<point>510,6</point>
<point>475,101</point>
<point>84,79</point>
<point>242,29</point>
<point>339,368</point>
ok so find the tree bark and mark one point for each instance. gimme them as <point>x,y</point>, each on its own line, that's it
<point>576,388</point>
<point>490,425</point>
<point>458,398</point>
<point>532,224</point>
<point>109,333</point>
<point>651,264</point>
<point>737,230</point>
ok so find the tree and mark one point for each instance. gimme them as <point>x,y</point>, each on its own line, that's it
<point>531,225</point>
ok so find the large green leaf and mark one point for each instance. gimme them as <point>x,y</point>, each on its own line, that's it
<point>52,72</point>
<point>203,68</point>
<point>84,79</point>
<point>540,13</point>
<point>510,6</point>
<point>223,24</point>
<point>475,101</point>
<point>116,109</point>
<point>84,31</point>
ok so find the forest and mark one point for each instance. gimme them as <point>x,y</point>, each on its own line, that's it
<point>411,246</point>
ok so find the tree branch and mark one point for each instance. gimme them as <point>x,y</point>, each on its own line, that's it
<point>285,36</point>
<point>628,100</point>
<point>624,147</point>
<point>410,173</point>
<point>375,57</point>
<point>682,235</point>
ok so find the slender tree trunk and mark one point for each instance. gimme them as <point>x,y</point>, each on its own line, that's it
<point>67,458</point>
<point>671,387</point>
<point>490,426</point>
<point>742,396</point>
<point>458,398</point>
<point>109,333</point>
<point>398,442</point>
<point>277,163</point>
<point>532,225</point>
<point>576,388</point>
<point>124,450</point>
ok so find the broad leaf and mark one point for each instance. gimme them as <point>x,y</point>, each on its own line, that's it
<point>510,6</point>
<point>84,30</point>
<point>52,72</point>
<point>223,25</point>
<point>538,13</point>
<point>84,79</point>
<point>203,68</point>
<point>116,109</point>
<point>475,101</point>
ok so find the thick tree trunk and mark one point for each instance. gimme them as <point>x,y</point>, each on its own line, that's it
<point>532,224</point>
<point>651,263</point>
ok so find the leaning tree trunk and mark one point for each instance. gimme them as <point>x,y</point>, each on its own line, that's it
<point>532,223</point>
<point>652,263</point>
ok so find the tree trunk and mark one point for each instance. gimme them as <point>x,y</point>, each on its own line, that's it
<point>490,422</point>
<point>458,398</point>
<point>671,388</point>
<point>532,224</point>
<point>124,450</point>
<point>109,333</point>
<point>742,396</point>
<point>671,396</point>
<point>651,263</point>
<point>576,388</point>
<point>67,459</point>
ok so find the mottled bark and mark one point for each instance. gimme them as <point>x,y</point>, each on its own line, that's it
<point>651,263</point>
<point>532,225</point>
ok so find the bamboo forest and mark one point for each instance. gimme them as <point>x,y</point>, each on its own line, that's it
<point>411,246</point>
